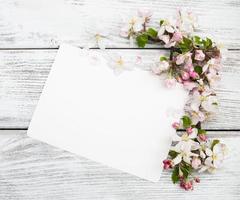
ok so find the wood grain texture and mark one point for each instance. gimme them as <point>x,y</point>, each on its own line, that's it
<point>24,23</point>
<point>33,170</point>
<point>23,74</point>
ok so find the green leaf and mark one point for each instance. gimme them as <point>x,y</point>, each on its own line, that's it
<point>207,43</point>
<point>163,58</point>
<point>161,22</point>
<point>173,154</point>
<point>186,170</point>
<point>198,69</point>
<point>185,45</point>
<point>197,40</point>
<point>187,122</point>
<point>187,41</point>
<point>214,143</point>
<point>201,131</point>
<point>142,40</point>
<point>152,33</point>
<point>175,175</point>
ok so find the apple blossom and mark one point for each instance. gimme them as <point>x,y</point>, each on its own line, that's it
<point>133,26</point>
<point>199,55</point>
<point>185,59</point>
<point>146,14</point>
<point>176,125</point>
<point>193,74</point>
<point>214,157</point>
<point>196,162</point>
<point>170,82</point>
<point>185,154</point>
<point>185,76</point>
<point>188,85</point>
<point>177,36</point>
<point>186,21</point>
<point>189,130</point>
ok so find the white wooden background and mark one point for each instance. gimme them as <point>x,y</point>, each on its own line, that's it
<point>30,32</point>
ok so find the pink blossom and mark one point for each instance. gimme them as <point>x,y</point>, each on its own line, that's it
<point>199,55</point>
<point>188,85</point>
<point>170,82</point>
<point>180,59</point>
<point>145,13</point>
<point>177,36</point>
<point>202,137</point>
<point>193,74</point>
<point>176,125</point>
<point>188,64</point>
<point>185,76</point>
<point>138,60</point>
<point>189,130</point>
<point>165,38</point>
<point>196,162</point>
<point>167,164</point>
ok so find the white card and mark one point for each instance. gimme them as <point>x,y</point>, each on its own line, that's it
<point>123,121</point>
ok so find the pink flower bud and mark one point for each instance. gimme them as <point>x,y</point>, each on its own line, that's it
<point>199,55</point>
<point>185,76</point>
<point>167,164</point>
<point>193,74</point>
<point>189,130</point>
<point>202,137</point>
<point>176,125</point>
<point>187,185</point>
<point>170,82</point>
<point>197,180</point>
<point>196,162</point>
<point>177,36</point>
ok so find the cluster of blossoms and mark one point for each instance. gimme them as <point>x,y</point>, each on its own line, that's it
<point>194,62</point>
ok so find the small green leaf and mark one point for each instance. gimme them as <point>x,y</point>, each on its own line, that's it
<point>152,33</point>
<point>186,170</point>
<point>198,69</point>
<point>201,131</point>
<point>187,122</point>
<point>185,45</point>
<point>161,22</point>
<point>214,142</point>
<point>142,40</point>
<point>175,175</point>
<point>207,43</point>
<point>173,154</point>
<point>187,41</point>
<point>197,40</point>
<point>163,58</point>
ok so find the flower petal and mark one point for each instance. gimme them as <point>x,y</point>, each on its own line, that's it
<point>177,160</point>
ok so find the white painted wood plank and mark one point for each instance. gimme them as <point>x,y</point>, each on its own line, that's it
<point>24,23</point>
<point>32,170</point>
<point>23,74</point>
